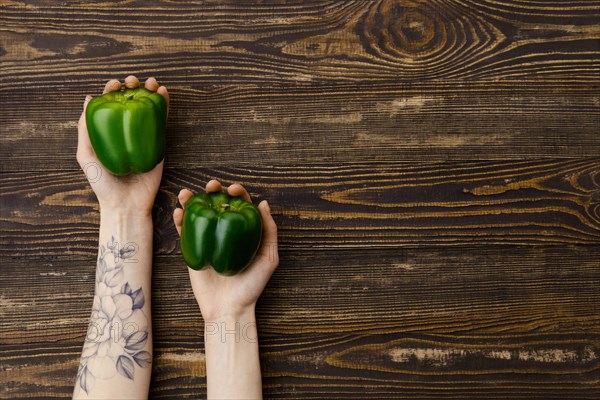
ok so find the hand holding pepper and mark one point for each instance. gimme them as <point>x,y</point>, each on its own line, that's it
<point>219,295</point>
<point>133,192</point>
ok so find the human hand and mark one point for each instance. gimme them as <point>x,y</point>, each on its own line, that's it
<point>131,194</point>
<point>229,297</point>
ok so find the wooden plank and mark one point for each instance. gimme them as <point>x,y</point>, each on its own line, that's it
<point>55,214</point>
<point>459,290</point>
<point>478,321</point>
<point>296,41</point>
<point>415,366</point>
<point>379,80</point>
<point>324,123</point>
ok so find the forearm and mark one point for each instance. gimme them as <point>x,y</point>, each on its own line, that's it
<point>232,358</point>
<point>117,353</point>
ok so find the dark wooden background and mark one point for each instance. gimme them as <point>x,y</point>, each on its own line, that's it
<point>433,166</point>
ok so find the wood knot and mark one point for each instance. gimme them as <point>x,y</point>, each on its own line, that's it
<point>417,34</point>
<point>414,31</point>
<point>406,28</point>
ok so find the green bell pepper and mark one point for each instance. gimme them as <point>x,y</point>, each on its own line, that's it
<point>127,129</point>
<point>221,231</point>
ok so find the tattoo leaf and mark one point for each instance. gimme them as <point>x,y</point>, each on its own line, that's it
<point>125,367</point>
<point>111,245</point>
<point>102,267</point>
<point>136,341</point>
<point>126,289</point>
<point>98,273</point>
<point>138,299</point>
<point>86,380</point>
<point>82,382</point>
<point>143,359</point>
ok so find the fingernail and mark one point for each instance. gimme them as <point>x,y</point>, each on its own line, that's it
<point>267,206</point>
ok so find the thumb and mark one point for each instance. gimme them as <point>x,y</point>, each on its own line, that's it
<point>269,246</point>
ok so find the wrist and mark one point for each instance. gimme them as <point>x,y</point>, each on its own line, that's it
<point>127,231</point>
<point>233,327</point>
<point>232,358</point>
<point>230,314</point>
<point>126,212</point>
<point>126,217</point>
<point>240,315</point>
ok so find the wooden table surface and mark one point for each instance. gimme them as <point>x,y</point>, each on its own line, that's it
<point>433,166</point>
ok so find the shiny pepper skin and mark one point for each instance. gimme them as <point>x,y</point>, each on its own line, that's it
<point>220,231</point>
<point>127,129</point>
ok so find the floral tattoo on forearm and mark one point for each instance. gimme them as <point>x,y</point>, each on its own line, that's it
<point>118,330</point>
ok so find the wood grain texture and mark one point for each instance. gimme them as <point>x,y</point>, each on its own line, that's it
<point>381,79</point>
<point>348,206</point>
<point>298,41</point>
<point>473,321</point>
<point>432,167</point>
<point>327,123</point>
<point>470,290</point>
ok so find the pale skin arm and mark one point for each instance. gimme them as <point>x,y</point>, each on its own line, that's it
<point>117,352</point>
<point>227,304</point>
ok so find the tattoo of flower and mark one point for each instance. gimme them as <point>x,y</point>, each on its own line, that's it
<point>118,329</point>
